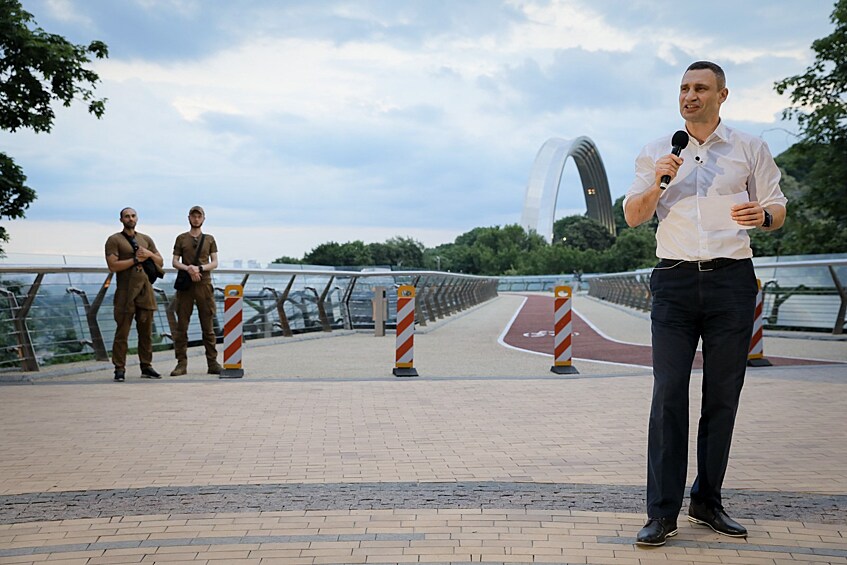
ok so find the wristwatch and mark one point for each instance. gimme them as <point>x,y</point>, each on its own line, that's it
<point>201,266</point>
<point>768,220</point>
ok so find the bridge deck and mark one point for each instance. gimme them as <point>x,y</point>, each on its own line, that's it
<point>320,456</point>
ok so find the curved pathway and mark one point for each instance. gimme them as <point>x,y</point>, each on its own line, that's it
<point>532,330</point>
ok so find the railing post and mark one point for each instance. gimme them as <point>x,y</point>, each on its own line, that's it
<point>280,306</point>
<point>451,295</point>
<point>347,315</point>
<point>420,319</point>
<point>466,295</point>
<point>321,310</point>
<point>91,309</point>
<point>427,299</point>
<point>170,312</point>
<point>439,298</point>
<point>19,313</point>
<point>838,328</point>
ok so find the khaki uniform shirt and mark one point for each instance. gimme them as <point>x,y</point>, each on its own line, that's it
<point>185,247</point>
<point>133,287</point>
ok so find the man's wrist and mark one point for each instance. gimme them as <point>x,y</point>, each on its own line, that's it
<point>768,220</point>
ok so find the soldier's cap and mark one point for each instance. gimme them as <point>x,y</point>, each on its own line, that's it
<point>196,209</point>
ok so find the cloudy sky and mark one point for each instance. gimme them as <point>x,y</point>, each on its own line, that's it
<point>303,121</point>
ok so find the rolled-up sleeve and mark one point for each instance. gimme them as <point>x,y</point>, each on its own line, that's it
<point>764,182</point>
<point>645,175</point>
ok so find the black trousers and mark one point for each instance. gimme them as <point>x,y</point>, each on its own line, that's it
<point>689,304</point>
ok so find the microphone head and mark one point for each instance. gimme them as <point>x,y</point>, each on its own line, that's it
<point>680,139</point>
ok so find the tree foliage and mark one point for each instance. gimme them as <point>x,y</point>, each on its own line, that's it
<point>15,196</point>
<point>37,69</point>
<point>819,161</point>
<point>819,96</point>
<point>581,232</point>
<point>496,250</point>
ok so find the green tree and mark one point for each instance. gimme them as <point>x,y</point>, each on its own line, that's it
<point>398,252</point>
<point>818,95</point>
<point>487,251</point>
<point>350,254</point>
<point>286,260</point>
<point>37,69</point>
<point>620,218</point>
<point>581,232</point>
<point>819,161</point>
<point>634,248</point>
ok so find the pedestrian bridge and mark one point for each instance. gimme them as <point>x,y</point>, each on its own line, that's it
<point>320,455</point>
<point>51,316</point>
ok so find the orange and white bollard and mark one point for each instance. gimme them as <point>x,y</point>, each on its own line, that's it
<point>233,333</point>
<point>563,331</point>
<point>404,365</point>
<point>756,356</point>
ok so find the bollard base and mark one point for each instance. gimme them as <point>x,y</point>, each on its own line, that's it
<point>759,363</point>
<point>564,370</point>
<point>405,372</point>
<point>231,374</point>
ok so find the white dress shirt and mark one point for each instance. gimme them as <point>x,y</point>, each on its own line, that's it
<point>728,162</point>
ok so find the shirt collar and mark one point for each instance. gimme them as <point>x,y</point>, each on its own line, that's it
<point>721,133</point>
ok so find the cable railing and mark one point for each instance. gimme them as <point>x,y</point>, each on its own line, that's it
<point>62,314</point>
<point>799,295</point>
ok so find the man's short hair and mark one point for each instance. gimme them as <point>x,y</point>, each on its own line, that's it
<point>125,209</point>
<point>710,66</point>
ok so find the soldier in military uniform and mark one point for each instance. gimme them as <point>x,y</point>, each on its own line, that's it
<point>200,292</point>
<point>134,298</point>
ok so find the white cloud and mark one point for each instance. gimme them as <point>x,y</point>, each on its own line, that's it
<point>565,24</point>
<point>83,242</point>
<point>755,103</point>
<point>64,10</point>
<point>350,113</point>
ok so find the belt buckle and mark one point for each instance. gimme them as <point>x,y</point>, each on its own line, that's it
<point>701,264</point>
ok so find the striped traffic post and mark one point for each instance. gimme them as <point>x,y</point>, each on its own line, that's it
<point>233,306</point>
<point>404,365</point>
<point>563,330</point>
<point>756,356</point>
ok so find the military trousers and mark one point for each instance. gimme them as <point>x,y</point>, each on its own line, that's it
<point>202,294</point>
<point>144,326</point>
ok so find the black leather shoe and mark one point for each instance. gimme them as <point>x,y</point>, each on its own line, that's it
<point>716,519</point>
<point>120,375</point>
<point>150,373</point>
<point>656,531</point>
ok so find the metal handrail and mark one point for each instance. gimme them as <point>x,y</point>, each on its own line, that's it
<point>764,265</point>
<point>632,289</point>
<point>333,290</point>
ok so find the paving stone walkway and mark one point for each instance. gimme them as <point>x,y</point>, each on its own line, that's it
<point>320,456</point>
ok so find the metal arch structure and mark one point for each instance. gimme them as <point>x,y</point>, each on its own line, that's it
<point>539,208</point>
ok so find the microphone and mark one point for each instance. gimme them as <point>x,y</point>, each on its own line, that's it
<point>679,142</point>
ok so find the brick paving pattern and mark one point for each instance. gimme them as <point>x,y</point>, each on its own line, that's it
<point>487,458</point>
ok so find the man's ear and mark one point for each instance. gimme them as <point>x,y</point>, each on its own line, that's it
<point>724,94</point>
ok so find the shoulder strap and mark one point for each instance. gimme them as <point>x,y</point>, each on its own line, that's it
<point>199,247</point>
<point>131,240</point>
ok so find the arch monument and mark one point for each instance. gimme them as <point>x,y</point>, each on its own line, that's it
<point>539,209</point>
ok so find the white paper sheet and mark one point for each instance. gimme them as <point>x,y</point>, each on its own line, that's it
<point>716,213</point>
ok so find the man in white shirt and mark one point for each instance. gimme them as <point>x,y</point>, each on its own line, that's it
<point>703,287</point>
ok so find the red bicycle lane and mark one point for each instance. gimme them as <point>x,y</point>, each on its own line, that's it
<point>532,330</point>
